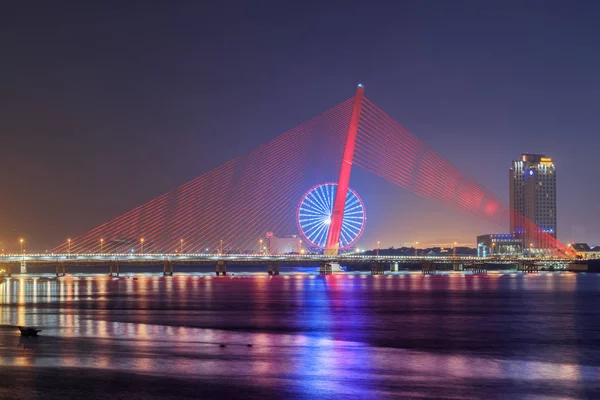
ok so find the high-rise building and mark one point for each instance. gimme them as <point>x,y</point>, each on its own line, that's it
<point>533,199</point>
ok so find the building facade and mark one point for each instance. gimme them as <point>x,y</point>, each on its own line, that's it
<point>499,244</point>
<point>285,245</point>
<point>583,250</point>
<point>533,200</point>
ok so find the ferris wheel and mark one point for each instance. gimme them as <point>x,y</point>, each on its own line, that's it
<point>314,216</point>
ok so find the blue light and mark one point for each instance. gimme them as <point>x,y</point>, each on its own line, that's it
<point>530,172</point>
<point>314,216</point>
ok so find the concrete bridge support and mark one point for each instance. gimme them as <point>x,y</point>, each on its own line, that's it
<point>377,269</point>
<point>325,269</point>
<point>221,268</point>
<point>61,269</point>
<point>394,267</point>
<point>167,268</point>
<point>23,267</point>
<point>273,269</point>
<point>328,268</point>
<point>458,267</point>
<point>528,267</point>
<point>115,268</point>
<point>477,268</point>
<point>428,268</point>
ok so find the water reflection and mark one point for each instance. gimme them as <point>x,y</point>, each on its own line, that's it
<point>344,335</point>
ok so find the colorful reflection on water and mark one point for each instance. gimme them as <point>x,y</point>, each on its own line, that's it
<point>306,336</point>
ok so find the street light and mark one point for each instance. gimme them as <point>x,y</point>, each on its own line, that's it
<point>101,246</point>
<point>378,248</point>
<point>142,245</point>
<point>180,246</point>
<point>21,241</point>
<point>454,250</point>
<point>416,248</point>
<point>300,243</point>
<point>260,246</point>
<point>221,247</point>
<point>69,241</point>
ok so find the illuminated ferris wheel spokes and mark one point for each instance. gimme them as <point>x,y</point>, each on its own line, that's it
<point>314,216</point>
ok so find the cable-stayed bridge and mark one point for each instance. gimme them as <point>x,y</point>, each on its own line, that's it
<point>226,210</point>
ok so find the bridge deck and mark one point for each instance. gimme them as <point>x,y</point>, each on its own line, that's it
<point>262,259</point>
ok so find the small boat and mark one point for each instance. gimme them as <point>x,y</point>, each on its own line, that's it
<point>29,331</point>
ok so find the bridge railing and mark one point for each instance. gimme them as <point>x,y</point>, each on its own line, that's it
<point>137,257</point>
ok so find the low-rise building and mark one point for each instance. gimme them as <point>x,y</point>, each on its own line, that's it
<point>285,245</point>
<point>583,250</point>
<point>495,244</point>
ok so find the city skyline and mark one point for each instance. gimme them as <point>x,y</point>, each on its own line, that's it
<point>299,199</point>
<point>88,140</point>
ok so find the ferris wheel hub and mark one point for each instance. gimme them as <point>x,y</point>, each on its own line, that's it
<point>314,216</point>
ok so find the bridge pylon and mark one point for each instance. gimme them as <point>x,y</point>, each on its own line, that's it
<point>332,244</point>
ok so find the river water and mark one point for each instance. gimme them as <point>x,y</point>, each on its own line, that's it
<point>300,335</point>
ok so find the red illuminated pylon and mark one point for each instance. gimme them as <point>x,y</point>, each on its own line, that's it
<point>333,236</point>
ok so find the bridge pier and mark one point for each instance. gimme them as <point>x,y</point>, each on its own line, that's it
<point>394,267</point>
<point>325,269</point>
<point>428,268</point>
<point>476,268</point>
<point>167,268</point>
<point>115,268</point>
<point>23,267</point>
<point>377,269</point>
<point>458,267</point>
<point>328,268</point>
<point>273,269</point>
<point>221,267</point>
<point>61,269</point>
<point>528,267</point>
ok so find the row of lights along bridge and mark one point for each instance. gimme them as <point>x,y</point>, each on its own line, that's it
<point>261,248</point>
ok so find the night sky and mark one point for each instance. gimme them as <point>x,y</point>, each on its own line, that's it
<point>104,106</point>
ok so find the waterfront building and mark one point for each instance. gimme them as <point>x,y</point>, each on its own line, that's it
<point>583,250</point>
<point>499,244</point>
<point>533,199</point>
<point>283,245</point>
